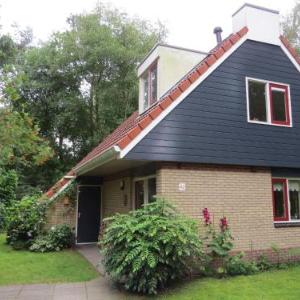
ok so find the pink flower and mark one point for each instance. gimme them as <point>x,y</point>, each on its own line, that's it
<point>206,216</point>
<point>223,224</point>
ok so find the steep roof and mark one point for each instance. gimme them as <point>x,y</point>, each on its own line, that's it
<point>135,124</point>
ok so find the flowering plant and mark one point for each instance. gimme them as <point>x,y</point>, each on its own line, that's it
<point>219,241</point>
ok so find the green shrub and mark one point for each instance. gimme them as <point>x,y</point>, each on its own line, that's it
<point>263,264</point>
<point>8,185</point>
<point>147,248</point>
<point>236,265</point>
<point>25,219</point>
<point>58,238</point>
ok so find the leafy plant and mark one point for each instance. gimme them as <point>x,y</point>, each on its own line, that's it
<point>147,248</point>
<point>8,185</point>
<point>219,242</point>
<point>25,219</point>
<point>236,265</point>
<point>277,252</point>
<point>263,264</point>
<point>58,238</point>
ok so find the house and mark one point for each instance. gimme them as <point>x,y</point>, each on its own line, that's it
<point>219,130</point>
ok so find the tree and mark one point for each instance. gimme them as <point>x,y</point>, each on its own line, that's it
<point>82,83</point>
<point>291,26</point>
<point>20,143</point>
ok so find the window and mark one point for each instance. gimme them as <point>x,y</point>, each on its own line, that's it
<point>268,102</point>
<point>144,191</point>
<point>286,199</point>
<point>150,86</point>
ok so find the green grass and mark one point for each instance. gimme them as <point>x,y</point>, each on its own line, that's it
<point>273,285</point>
<point>18,267</point>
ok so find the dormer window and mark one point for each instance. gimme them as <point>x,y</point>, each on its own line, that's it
<point>268,102</point>
<point>150,86</point>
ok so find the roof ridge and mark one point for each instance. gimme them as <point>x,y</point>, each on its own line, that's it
<point>154,111</point>
<point>135,124</point>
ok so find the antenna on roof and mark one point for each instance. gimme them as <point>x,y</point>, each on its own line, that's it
<point>218,32</point>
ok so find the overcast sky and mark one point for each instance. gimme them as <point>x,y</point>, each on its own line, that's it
<point>190,22</point>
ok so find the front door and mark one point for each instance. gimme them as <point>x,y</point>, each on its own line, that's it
<point>88,218</point>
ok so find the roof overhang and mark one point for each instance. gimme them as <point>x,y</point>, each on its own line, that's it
<point>111,154</point>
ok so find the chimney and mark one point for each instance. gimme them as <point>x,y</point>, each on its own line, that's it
<point>218,32</point>
<point>263,23</point>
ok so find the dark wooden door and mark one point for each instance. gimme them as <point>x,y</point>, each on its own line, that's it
<point>88,218</point>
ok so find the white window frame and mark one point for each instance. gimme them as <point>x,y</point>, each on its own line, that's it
<point>147,76</point>
<point>146,191</point>
<point>288,179</point>
<point>268,104</point>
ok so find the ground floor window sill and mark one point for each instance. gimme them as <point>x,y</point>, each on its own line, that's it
<point>287,224</point>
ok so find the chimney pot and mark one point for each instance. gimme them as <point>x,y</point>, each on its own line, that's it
<point>218,32</point>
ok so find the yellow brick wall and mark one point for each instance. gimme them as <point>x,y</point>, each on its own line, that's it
<point>61,211</point>
<point>114,199</point>
<point>244,195</point>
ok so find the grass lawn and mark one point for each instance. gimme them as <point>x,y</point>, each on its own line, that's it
<point>26,267</point>
<point>273,285</point>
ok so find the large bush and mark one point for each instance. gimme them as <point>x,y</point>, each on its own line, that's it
<point>56,239</point>
<point>25,219</point>
<point>8,185</point>
<point>147,248</point>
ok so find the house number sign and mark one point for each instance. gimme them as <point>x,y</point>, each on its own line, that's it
<point>181,187</point>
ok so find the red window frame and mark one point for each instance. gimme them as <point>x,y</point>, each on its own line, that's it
<point>148,73</point>
<point>286,101</point>
<point>285,199</point>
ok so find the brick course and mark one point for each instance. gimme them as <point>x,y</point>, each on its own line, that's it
<point>113,198</point>
<point>243,195</point>
<point>62,211</point>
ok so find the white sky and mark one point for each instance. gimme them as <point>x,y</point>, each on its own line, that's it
<point>190,22</point>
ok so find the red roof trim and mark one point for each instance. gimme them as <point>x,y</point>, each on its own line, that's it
<point>132,127</point>
<point>290,48</point>
<point>191,77</point>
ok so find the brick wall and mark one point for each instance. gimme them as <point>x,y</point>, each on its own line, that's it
<point>62,211</point>
<point>244,195</point>
<point>114,199</point>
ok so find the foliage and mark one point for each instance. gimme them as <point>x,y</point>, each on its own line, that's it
<point>263,264</point>
<point>8,185</point>
<point>219,241</point>
<point>147,248</point>
<point>236,265</point>
<point>20,143</point>
<point>273,285</point>
<point>25,267</point>
<point>25,219</point>
<point>83,75</point>
<point>56,239</point>
<point>291,26</point>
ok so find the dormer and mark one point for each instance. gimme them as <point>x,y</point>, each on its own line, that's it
<point>163,67</point>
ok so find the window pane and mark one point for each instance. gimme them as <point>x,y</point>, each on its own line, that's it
<point>139,194</point>
<point>294,192</point>
<point>278,193</point>
<point>145,91</point>
<point>257,101</point>
<point>278,106</point>
<point>153,85</point>
<point>151,189</point>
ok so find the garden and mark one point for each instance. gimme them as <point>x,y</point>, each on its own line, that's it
<point>30,252</point>
<point>158,251</point>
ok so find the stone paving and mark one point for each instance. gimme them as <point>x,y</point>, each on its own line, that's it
<point>97,289</point>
